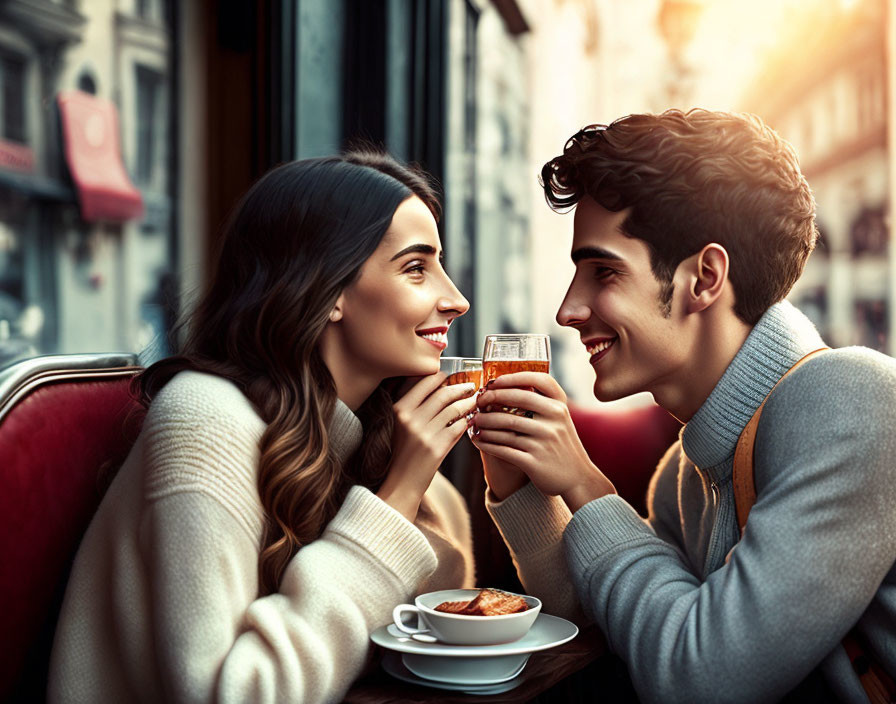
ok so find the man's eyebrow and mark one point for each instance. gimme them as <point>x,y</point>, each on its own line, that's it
<point>421,248</point>
<point>594,253</point>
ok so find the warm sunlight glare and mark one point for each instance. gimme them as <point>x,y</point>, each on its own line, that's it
<point>734,37</point>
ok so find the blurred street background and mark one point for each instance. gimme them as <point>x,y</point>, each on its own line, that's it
<point>129,128</point>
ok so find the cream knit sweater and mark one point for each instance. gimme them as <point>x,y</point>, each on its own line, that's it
<point>163,605</point>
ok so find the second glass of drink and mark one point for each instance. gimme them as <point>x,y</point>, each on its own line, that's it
<point>522,352</point>
<point>461,370</point>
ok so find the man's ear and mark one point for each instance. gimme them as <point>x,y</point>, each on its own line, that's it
<point>336,311</point>
<point>707,276</point>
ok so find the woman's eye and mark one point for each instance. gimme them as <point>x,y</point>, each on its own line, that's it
<point>415,268</point>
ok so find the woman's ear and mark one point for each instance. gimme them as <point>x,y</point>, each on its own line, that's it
<point>707,278</point>
<point>336,311</point>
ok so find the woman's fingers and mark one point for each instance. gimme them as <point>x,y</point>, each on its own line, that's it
<point>456,411</point>
<point>442,398</point>
<point>421,390</point>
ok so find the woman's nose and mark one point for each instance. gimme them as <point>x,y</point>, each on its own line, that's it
<point>453,300</point>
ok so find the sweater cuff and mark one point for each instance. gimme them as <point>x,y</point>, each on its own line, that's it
<point>528,520</point>
<point>379,530</point>
<point>601,526</point>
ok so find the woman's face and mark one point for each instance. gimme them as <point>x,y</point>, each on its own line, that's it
<point>394,319</point>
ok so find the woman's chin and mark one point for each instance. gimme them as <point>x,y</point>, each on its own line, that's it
<point>422,369</point>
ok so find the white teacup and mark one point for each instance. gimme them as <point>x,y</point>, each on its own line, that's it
<point>459,629</point>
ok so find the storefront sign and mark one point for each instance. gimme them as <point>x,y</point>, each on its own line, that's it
<point>16,157</point>
<point>93,154</point>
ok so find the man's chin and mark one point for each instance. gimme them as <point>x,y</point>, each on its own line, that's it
<point>606,392</point>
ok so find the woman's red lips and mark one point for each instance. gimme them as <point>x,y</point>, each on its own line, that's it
<point>435,336</point>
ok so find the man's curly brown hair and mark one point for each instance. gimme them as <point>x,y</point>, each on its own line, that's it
<point>691,179</point>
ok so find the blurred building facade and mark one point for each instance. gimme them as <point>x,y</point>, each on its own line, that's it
<point>824,90</point>
<point>209,95</point>
<point>79,270</point>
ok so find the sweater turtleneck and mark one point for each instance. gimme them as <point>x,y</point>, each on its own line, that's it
<point>345,432</point>
<point>780,339</point>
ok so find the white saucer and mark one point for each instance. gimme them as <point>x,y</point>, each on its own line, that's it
<point>468,671</point>
<point>547,632</point>
<point>394,666</point>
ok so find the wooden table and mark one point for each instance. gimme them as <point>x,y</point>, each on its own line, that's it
<point>544,670</point>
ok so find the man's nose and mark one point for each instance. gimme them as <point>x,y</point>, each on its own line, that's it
<point>572,311</point>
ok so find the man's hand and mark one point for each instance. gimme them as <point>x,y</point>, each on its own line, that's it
<point>502,477</point>
<point>539,438</point>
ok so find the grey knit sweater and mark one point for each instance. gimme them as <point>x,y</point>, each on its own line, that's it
<point>701,617</point>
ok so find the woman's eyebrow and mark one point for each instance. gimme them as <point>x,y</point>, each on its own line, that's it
<point>421,248</point>
<point>594,253</point>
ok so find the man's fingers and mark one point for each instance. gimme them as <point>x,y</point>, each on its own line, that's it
<point>504,438</point>
<point>502,452</point>
<point>543,383</point>
<point>517,398</point>
<point>507,421</point>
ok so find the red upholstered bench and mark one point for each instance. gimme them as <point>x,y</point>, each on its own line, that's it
<point>66,423</point>
<point>626,442</point>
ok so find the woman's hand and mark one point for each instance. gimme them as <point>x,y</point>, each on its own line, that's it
<point>429,420</point>
<point>546,445</point>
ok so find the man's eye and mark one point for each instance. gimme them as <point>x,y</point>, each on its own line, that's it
<point>603,272</point>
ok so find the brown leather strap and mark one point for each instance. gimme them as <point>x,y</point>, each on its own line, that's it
<point>742,476</point>
<point>877,683</point>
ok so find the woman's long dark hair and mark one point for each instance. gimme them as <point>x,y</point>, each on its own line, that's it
<point>293,243</point>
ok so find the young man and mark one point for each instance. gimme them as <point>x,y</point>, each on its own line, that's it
<point>689,231</point>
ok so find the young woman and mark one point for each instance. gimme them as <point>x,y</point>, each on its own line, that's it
<point>279,501</point>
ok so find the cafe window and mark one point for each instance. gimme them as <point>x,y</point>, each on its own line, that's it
<point>12,93</point>
<point>151,10</point>
<point>150,118</point>
<point>471,67</point>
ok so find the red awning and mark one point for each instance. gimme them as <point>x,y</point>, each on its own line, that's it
<point>93,153</point>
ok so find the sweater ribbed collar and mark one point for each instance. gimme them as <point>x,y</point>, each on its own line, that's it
<point>780,339</point>
<point>345,432</point>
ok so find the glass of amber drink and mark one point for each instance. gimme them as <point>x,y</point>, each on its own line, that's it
<point>506,354</point>
<point>461,370</point>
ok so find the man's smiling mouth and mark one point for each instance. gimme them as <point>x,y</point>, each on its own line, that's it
<point>597,348</point>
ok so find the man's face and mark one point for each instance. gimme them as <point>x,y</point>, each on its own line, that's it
<point>636,342</point>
